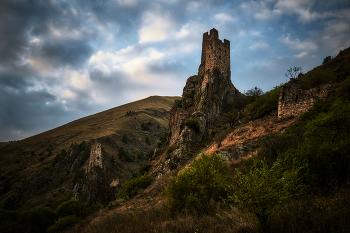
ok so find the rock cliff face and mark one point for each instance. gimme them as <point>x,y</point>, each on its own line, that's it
<point>206,97</point>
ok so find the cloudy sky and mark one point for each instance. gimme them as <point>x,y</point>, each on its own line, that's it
<point>61,60</point>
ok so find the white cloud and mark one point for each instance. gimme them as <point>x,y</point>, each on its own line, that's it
<point>298,45</point>
<point>39,65</point>
<point>69,94</point>
<point>77,79</point>
<point>301,55</point>
<point>156,25</point>
<point>195,6</point>
<point>35,41</point>
<point>260,45</point>
<point>223,17</point>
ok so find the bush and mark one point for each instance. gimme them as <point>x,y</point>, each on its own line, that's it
<point>124,155</point>
<point>59,157</point>
<point>37,219</point>
<point>63,223</point>
<point>148,142</point>
<point>163,139</point>
<point>144,168</point>
<point>343,91</point>
<point>70,208</point>
<point>145,126</point>
<point>266,103</point>
<point>132,186</point>
<point>193,123</point>
<point>197,188</point>
<point>125,139</point>
<point>317,77</point>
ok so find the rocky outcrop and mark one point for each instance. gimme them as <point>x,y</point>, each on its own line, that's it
<point>205,98</point>
<point>94,188</point>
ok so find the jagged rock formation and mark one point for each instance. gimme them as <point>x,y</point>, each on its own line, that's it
<point>206,97</point>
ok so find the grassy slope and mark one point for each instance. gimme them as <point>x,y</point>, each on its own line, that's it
<point>16,159</point>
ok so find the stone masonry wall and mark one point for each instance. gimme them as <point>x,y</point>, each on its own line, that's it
<point>294,101</point>
<point>95,155</point>
<point>215,53</point>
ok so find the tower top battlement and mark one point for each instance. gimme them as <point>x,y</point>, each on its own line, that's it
<point>215,53</point>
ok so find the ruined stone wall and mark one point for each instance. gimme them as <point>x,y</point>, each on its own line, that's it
<point>294,101</point>
<point>95,155</point>
<point>215,53</point>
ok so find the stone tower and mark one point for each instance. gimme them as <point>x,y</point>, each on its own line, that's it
<point>95,155</point>
<point>215,53</point>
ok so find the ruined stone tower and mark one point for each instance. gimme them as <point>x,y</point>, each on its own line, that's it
<point>215,53</point>
<point>95,155</point>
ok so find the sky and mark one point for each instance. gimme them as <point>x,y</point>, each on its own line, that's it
<point>62,60</point>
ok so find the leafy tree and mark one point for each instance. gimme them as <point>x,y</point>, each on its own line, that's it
<point>193,123</point>
<point>294,72</point>
<point>132,186</point>
<point>70,208</point>
<point>327,59</point>
<point>63,223</point>
<point>197,188</point>
<point>37,219</point>
<point>231,117</point>
<point>124,155</point>
<point>148,142</point>
<point>145,126</point>
<point>254,93</point>
<point>125,139</point>
<point>163,139</point>
<point>262,188</point>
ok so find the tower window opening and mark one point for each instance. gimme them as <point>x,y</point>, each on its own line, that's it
<point>219,57</point>
<point>209,56</point>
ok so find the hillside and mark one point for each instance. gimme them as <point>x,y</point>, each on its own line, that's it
<point>28,156</point>
<point>272,162</point>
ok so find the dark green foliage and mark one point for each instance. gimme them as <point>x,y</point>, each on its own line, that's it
<point>317,77</point>
<point>37,219</point>
<point>343,91</point>
<point>6,186</point>
<point>63,223</point>
<point>144,168</point>
<point>94,208</point>
<point>198,188</point>
<point>83,146</point>
<point>326,59</point>
<point>193,123</point>
<point>80,174</point>
<point>150,153</point>
<point>266,103</point>
<point>263,187</point>
<point>124,155</point>
<point>32,153</point>
<point>145,126</point>
<point>125,139</point>
<point>231,117</point>
<point>140,154</point>
<point>59,157</point>
<point>148,142</point>
<point>17,161</point>
<point>49,154</point>
<point>70,208</point>
<point>254,93</point>
<point>41,154</point>
<point>163,139</point>
<point>132,186</point>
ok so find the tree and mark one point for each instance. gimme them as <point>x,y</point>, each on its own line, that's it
<point>231,117</point>
<point>125,139</point>
<point>327,59</point>
<point>254,93</point>
<point>294,72</point>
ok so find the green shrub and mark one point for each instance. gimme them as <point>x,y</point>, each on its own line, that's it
<point>63,223</point>
<point>163,139</point>
<point>124,155</point>
<point>198,188</point>
<point>148,142</point>
<point>144,168</point>
<point>80,174</point>
<point>316,78</point>
<point>266,103</point>
<point>140,154</point>
<point>94,208</point>
<point>343,91</point>
<point>132,186</point>
<point>193,123</point>
<point>125,139</point>
<point>70,208</point>
<point>59,157</point>
<point>37,219</point>
<point>145,126</point>
<point>262,188</point>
